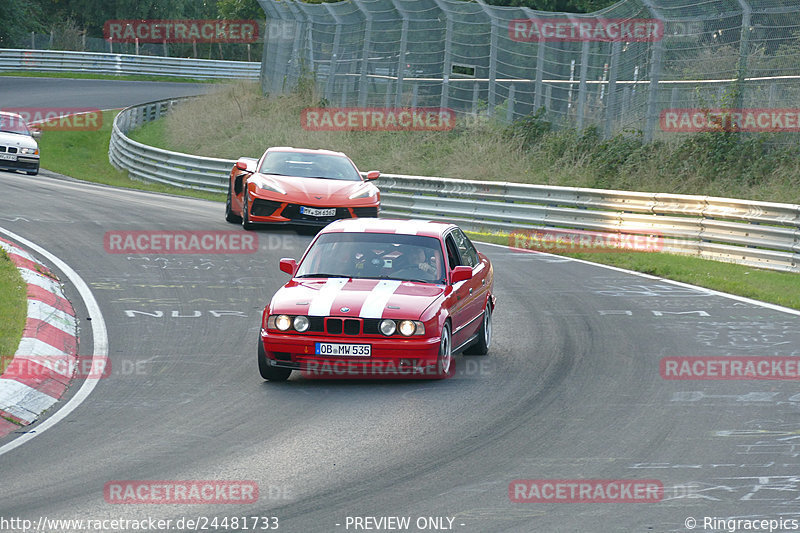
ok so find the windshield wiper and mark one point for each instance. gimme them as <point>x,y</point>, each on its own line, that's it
<point>434,281</point>
<point>323,275</point>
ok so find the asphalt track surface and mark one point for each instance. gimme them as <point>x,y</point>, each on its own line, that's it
<point>571,390</point>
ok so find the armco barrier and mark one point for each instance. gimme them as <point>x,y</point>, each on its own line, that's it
<point>123,64</point>
<point>760,234</point>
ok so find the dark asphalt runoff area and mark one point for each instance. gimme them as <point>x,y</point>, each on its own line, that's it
<point>98,94</point>
<point>571,390</point>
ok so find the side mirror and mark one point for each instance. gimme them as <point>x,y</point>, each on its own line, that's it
<point>289,266</point>
<point>36,133</point>
<point>373,175</point>
<point>247,164</point>
<point>460,273</point>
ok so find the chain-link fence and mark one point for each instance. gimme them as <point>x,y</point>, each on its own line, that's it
<point>637,65</point>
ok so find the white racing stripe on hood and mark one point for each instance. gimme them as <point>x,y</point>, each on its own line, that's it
<point>321,304</point>
<point>378,298</point>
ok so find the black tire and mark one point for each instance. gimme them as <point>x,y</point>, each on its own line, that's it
<point>246,224</point>
<point>445,366</point>
<point>481,346</point>
<point>230,216</point>
<point>270,373</point>
<point>32,172</point>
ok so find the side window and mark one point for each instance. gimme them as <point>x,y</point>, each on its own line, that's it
<point>452,252</point>
<point>469,256</point>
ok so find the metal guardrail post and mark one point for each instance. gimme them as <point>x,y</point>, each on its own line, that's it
<point>447,59</point>
<point>582,89</point>
<point>744,50</point>
<point>492,85</point>
<point>363,88</point>
<point>335,53</point>
<point>611,99</point>
<point>401,59</point>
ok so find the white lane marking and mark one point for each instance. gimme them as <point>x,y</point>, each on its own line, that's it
<point>321,304</point>
<point>14,394</point>
<point>377,298</point>
<point>742,299</point>
<point>99,343</point>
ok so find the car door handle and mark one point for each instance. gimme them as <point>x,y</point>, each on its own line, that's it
<point>470,290</point>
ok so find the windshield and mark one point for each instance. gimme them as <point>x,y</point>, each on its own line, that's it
<point>13,124</point>
<point>310,165</point>
<point>374,256</point>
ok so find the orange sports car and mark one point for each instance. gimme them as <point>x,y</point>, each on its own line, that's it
<point>299,186</point>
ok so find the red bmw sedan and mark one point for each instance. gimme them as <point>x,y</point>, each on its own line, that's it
<point>379,298</point>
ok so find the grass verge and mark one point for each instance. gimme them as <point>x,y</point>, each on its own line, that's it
<point>13,309</point>
<point>779,288</point>
<point>84,155</point>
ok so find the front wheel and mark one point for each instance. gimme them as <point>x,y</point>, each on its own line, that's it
<point>444,363</point>
<point>230,216</point>
<point>246,224</point>
<point>270,373</point>
<point>481,346</point>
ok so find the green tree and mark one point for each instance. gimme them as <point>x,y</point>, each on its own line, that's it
<point>240,9</point>
<point>19,17</point>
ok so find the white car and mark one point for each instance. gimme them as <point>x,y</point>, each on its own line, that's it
<point>18,147</point>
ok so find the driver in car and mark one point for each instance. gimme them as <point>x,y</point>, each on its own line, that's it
<point>418,259</point>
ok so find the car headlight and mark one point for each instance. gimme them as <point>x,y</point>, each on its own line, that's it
<point>31,151</point>
<point>283,322</point>
<point>301,323</point>
<point>366,192</point>
<point>268,186</point>
<point>388,327</point>
<point>407,328</point>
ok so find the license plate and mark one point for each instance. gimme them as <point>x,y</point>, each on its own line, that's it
<point>8,157</point>
<point>314,212</point>
<point>347,350</point>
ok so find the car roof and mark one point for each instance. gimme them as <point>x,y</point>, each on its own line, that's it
<point>10,114</point>
<point>424,228</point>
<point>303,150</point>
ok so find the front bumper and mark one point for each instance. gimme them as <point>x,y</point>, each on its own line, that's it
<point>22,163</point>
<point>392,357</point>
<point>264,211</point>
